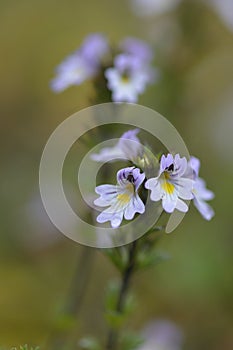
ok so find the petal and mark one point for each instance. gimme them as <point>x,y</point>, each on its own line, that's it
<point>151,183</point>
<point>169,203</point>
<point>181,206</point>
<point>116,207</point>
<point>138,178</point>
<point>131,135</point>
<point>205,209</point>
<point>180,165</point>
<point>165,162</point>
<point>156,191</point>
<point>115,218</point>
<point>101,202</point>
<point>184,187</point>
<point>129,148</point>
<point>201,191</point>
<point>195,164</point>
<point>108,154</point>
<point>136,205</point>
<point>190,173</point>
<point>104,217</point>
<point>106,189</point>
<point>108,194</point>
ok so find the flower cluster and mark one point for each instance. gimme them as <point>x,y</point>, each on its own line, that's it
<point>126,73</point>
<point>177,181</point>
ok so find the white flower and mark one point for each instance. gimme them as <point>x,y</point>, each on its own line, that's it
<point>128,147</point>
<point>171,185</point>
<point>128,78</point>
<point>122,199</point>
<point>200,192</point>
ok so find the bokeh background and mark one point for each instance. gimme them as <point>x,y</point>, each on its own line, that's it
<point>194,289</point>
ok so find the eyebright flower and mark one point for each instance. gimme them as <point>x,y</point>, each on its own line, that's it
<point>137,48</point>
<point>128,78</point>
<point>200,192</point>
<point>94,48</point>
<point>73,71</point>
<point>82,64</point>
<point>123,149</point>
<point>171,185</point>
<point>122,199</point>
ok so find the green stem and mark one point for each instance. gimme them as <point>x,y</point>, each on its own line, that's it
<point>113,335</point>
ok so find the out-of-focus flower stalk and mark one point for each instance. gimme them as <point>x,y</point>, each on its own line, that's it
<point>112,340</point>
<point>61,335</point>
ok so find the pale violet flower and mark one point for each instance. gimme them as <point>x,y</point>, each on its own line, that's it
<point>171,185</point>
<point>94,48</point>
<point>137,48</point>
<point>82,64</point>
<point>122,199</point>
<point>128,147</point>
<point>162,335</point>
<point>128,78</point>
<point>73,71</point>
<point>200,192</point>
<point>152,7</point>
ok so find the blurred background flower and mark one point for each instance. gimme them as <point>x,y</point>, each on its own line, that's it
<point>128,77</point>
<point>81,65</point>
<point>162,335</point>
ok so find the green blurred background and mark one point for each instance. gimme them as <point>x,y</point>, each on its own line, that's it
<point>194,50</point>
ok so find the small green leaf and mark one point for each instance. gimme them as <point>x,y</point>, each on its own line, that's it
<point>147,259</point>
<point>118,256</point>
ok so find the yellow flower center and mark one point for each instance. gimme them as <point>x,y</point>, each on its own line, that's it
<point>167,186</point>
<point>124,198</point>
<point>125,78</point>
